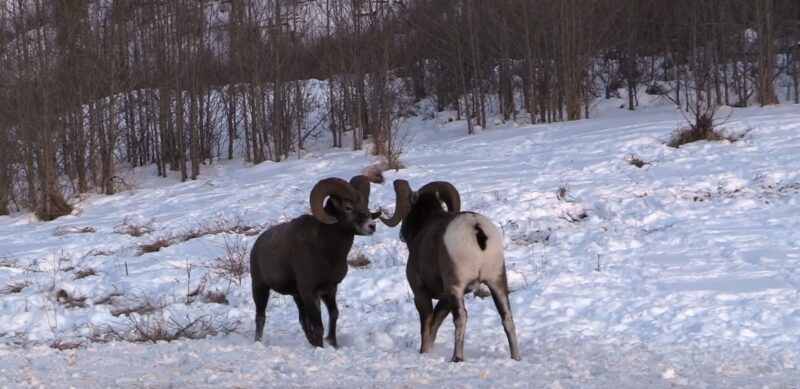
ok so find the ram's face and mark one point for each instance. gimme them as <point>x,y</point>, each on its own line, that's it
<point>353,214</point>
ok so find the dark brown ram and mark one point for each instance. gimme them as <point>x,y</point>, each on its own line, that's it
<point>449,253</point>
<point>307,256</point>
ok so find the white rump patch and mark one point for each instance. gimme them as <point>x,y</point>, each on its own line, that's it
<point>469,261</point>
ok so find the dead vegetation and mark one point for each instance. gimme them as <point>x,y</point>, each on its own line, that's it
<point>704,128</point>
<point>570,215</point>
<point>358,259</point>
<point>154,328</point>
<point>8,261</point>
<point>375,171</point>
<point>638,162</point>
<point>70,301</point>
<point>108,299</point>
<point>133,229</point>
<point>16,287</point>
<point>141,308</point>
<point>562,194</point>
<point>220,226</point>
<point>64,230</point>
<point>154,246</point>
<point>234,265</point>
<point>60,344</point>
<point>83,273</point>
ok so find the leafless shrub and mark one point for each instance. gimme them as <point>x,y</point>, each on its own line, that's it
<point>64,230</point>
<point>83,273</point>
<point>156,328</point>
<point>358,259</point>
<point>703,129</point>
<point>16,287</point>
<point>234,264</point>
<point>70,301</point>
<point>132,229</point>
<point>191,295</point>
<point>154,246</point>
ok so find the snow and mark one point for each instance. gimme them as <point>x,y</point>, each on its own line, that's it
<point>682,273</point>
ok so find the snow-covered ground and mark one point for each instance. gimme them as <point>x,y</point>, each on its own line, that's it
<point>683,273</point>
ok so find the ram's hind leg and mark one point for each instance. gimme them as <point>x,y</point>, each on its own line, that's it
<point>329,298</point>
<point>460,320</point>
<point>301,316</point>
<point>312,318</point>
<point>499,291</point>
<point>261,298</point>
<point>425,308</point>
<point>439,314</point>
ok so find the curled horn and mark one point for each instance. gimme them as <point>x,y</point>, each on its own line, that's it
<point>402,193</point>
<point>361,184</point>
<point>325,188</point>
<point>446,192</point>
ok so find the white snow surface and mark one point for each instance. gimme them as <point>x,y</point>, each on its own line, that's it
<point>684,273</point>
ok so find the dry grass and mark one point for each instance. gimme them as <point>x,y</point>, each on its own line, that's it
<point>575,217</point>
<point>154,246</point>
<point>141,309</point>
<point>98,252</point>
<point>157,328</point>
<point>135,230</point>
<point>64,230</point>
<point>234,265</point>
<point>70,301</point>
<point>62,345</point>
<point>83,273</point>
<point>638,162</point>
<point>107,299</point>
<point>212,296</point>
<point>562,194</point>
<point>16,287</point>
<point>220,226</point>
<point>8,261</point>
<point>374,173</point>
<point>358,259</point>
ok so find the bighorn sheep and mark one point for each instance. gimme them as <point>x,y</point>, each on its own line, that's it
<point>449,253</point>
<point>307,256</point>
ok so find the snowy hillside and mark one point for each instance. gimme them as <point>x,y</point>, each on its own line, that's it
<point>684,272</point>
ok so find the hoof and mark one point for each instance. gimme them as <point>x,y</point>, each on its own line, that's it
<point>457,359</point>
<point>332,342</point>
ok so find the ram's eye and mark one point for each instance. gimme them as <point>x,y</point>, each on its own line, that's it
<point>348,208</point>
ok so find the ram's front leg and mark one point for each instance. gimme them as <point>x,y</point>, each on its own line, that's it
<point>329,298</point>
